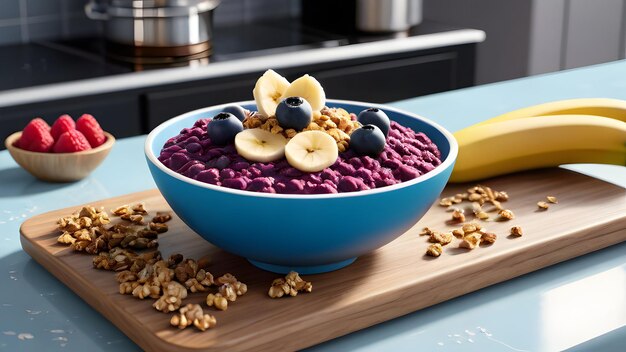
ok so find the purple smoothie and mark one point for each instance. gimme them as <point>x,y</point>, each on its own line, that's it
<point>407,155</point>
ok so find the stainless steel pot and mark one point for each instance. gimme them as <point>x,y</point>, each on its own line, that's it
<point>154,24</point>
<point>387,15</point>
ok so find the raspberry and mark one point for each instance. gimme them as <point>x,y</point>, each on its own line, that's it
<point>89,127</point>
<point>63,124</point>
<point>36,137</point>
<point>70,142</point>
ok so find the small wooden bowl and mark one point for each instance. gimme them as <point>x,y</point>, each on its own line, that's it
<point>59,167</point>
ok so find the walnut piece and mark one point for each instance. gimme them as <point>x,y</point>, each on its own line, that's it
<point>441,238</point>
<point>516,231</point>
<point>470,241</point>
<point>193,314</point>
<point>426,231</point>
<point>162,217</point>
<point>217,300</point>
<point>506,214</point>
<point>471,227</point>
<point>543,205</point>
<point>172,298</point>
<point>458,216</point>
<point>434,250</point>
<point>459,233</point>
<point>291,284</point>
<point>552,199</point>
<point>488,238</point>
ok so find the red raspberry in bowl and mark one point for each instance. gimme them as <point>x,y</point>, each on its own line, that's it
<point>63,124</point>
<point>36,137</point>
<point>91,129</point>
<point>71,142</point>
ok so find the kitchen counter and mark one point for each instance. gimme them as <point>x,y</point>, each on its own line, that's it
<point>578,304</point>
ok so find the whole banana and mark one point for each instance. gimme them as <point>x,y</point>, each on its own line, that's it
<point>606,107</point>
<point>510,145</point>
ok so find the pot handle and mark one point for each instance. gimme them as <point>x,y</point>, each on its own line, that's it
<point>96,11</point>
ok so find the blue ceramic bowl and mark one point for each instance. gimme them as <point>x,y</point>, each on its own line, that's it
<point>306,233</point>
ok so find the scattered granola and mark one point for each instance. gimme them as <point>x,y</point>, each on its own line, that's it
<point>488,238</point>
<point>470,241</point>
<point>471,227</point>
<point>458,216</point>
<point>434,250</point>
<point>516,231</point>
<point>458,233</point>
<point>543,205</point>
<point>217,300</point>
<point>426,231</point>
<point>193,314</point>
<point>552,199</point>
<point>290,285</point>
<point>336,122</point>
<point>506,214</point>
<point>172,298</point>
<point>441,238</point>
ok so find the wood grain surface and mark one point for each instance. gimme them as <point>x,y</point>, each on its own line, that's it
<point>392,281</point>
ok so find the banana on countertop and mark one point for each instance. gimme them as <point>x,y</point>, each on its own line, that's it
<point>606,107</point>
<point>517,143</point>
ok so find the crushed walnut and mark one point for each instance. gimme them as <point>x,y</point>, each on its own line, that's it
<point>506,214</point>
<point>470,241</point>
<point>543,205</point>
<point>471,227</point>
<point>85,231</point>
<point>457,215</point>
<point>516,231</point>
<point>552,199</point>
<point>217,300</point>
<point>488,238</point>
<point>172,298</point>
<point>290,285</point>
<point>434,250</point>
<point>193,314</point>
<point>441,238</point>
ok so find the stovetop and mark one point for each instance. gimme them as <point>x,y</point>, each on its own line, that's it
<point>46,62</point>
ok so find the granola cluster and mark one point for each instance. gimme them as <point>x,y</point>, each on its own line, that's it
<point>193,314</point>
<point>290,285</point>
<point>86,230</point>
<point>484,200</point>
<point>146,274</point>
<point>337,122</point>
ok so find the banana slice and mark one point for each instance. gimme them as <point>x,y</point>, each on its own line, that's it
<point>259,145</point>
<point>309,89</point>
<point>311,151</point>
<point>268,92</point>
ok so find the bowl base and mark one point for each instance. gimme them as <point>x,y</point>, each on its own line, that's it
<point>304,270</point>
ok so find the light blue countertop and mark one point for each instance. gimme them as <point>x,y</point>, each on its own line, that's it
<point>578,304</point>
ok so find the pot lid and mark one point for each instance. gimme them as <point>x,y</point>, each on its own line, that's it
<point>144,4</point>
<point>151,8</point>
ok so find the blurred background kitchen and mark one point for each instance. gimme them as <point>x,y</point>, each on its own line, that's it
<point>134,64</point>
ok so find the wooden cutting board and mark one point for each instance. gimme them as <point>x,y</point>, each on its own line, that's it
<point>392,281</point>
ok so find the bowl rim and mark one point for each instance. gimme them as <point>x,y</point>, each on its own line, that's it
<point>8,143</point>
<point>447,162</point>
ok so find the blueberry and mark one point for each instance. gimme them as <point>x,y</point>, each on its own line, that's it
<point>294,112</point>
<point>374,116</point>
<point>236,110</point>
<point>368,140</point>
<point>223,128</point>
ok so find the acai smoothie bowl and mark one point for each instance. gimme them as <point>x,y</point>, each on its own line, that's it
<point>295,181</point>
